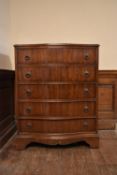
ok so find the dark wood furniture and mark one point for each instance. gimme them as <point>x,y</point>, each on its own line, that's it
<point>107,99</point>
<point>7,124</point>
<point>56,94</point>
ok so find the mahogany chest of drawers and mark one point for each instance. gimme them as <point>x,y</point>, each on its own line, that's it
<point>56,94</point>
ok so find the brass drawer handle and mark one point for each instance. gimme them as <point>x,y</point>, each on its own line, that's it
<point>27,58</point>
<point>29,125</point>
<point>86,73</point>
<point>86,56</point>
<point>28,92</point>
<point>28,109</point>
<point>86,91</point>
<point>85,124</point>
<point>86,108</point>
<point>28,75</point>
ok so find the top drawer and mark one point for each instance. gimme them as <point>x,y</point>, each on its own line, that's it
<point>57,55</point>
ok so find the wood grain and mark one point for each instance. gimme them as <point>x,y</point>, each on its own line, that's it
<point>56,94</point>
<point>75,159</point>
<point>107,99</point>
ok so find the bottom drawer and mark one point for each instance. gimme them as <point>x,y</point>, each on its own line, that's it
<point>57,126</point>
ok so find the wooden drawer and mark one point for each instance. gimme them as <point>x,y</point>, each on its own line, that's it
<point>56,96</point>
<point>57,126</point>
<point>57,91</point>
<point>64,72</point>
<point>56,55</point>
<point>54,108</point>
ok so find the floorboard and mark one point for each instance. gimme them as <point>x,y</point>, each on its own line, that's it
<point>76,159</point>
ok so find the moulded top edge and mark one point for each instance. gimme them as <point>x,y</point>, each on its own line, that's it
<point>56,45</point>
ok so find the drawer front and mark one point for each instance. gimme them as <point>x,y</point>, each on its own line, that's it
<point>57,91</point>
<point>56,73</point>
<point>81,109</point>
<point>56,55</point>
<point>57,126</point>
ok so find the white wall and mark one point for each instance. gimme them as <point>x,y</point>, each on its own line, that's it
<point>5,60</point>
<point>62,21</point>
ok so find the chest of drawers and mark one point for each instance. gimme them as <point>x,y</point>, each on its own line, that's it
<point>56,94</point>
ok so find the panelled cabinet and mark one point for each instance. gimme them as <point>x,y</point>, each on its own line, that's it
<point>56,94</point>
<point>7,122</point>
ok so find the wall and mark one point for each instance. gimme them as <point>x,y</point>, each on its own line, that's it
<point>74,21</point>
<point>5,61</point>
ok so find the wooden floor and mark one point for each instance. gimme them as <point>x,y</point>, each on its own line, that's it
<point>67,160</point>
